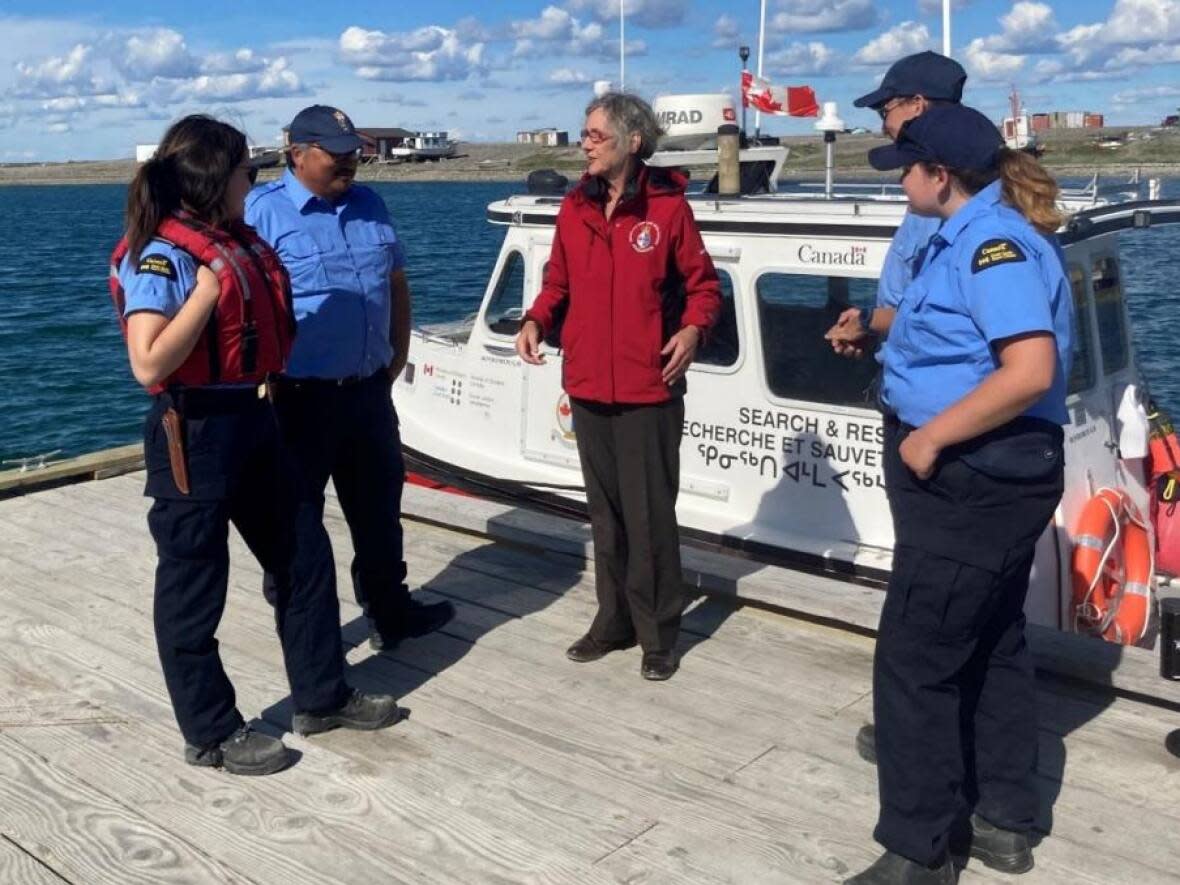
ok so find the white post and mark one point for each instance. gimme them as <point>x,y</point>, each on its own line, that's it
<point>622,47</point>
<point>946,28</point>
<point>761,46</point>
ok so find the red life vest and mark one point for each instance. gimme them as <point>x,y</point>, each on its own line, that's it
<point>252,327</point>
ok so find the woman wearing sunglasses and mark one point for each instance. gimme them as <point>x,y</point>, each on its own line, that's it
<point>205,306</point>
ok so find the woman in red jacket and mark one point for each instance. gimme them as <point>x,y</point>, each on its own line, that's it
<point>638,291</point>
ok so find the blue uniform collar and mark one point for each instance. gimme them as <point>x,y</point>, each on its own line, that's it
<point>302,197</point>
<point>969,211</point>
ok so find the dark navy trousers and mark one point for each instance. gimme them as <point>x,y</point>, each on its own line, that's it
<point>349,433</point>
<point>954,694</point>
<point>239,473</point>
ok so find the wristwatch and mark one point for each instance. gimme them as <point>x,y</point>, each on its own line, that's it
<point>866,320</point>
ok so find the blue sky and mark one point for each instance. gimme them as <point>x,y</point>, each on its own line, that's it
<point>80,81</point>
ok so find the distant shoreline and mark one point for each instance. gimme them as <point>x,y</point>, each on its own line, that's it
<point>1069,153</point>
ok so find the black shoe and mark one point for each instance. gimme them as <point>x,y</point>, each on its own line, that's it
<point>589,649</point>
<point>866,743</point>
<point>1006,851</point>
<point>659,665</point>
<point>246,751</point>
<point>417,619</point>
<point>362,711</point>
<point>893,869</point>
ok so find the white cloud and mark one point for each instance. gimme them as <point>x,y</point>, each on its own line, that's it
<point>933,7</point>
<point>820,16</point>
<point>277,80</point>
<point>645,13</point>
<point>558,33</point>
<point>568,77</point>
<point>69,74</point>
<point>984,64</point>
<point>899,41</point>
<point>1145,93</point>
<point>243,61</point>
<point>726,32</point>
<point>553,23</point>
<point>1027,27</point>
<point>429,53</point>
<point>160,53</point>
<point>802,60</point>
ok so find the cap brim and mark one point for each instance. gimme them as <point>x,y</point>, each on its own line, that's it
<point>874,99</point>
<point>889,156</point>
<point>340,144</point>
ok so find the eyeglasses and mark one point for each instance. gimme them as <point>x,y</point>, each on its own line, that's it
<point>595,136</point>
<point>251,171</point>
<point>888,107</point>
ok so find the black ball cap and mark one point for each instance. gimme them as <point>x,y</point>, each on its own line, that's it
<point>952,135</point>
<point>925,73</point>
<point>328,127</point>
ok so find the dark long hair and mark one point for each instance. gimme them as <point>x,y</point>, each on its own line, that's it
<point>191,170</point>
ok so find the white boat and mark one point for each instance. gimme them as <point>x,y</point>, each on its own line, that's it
<point>781,456</point>
<point>424,146</point>
<point>1017,126</point>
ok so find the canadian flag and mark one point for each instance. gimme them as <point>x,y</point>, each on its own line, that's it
<point>786,101</point>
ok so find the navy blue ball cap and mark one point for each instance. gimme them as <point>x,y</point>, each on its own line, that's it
<point>952,135</point>
<point>925,73</point>
<point>328,127</point>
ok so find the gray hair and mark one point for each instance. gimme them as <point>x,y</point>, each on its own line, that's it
<point>629,114</point>
<point>290,149</point>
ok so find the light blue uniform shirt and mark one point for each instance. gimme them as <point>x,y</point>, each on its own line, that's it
<point>340,256</point>
<point>160,281</point>
<point>987,275</point>
<point>904,256</point>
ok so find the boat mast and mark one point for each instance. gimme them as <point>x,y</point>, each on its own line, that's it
<point>761,47</point>
<point>946,27</point>
<point>622,46</point>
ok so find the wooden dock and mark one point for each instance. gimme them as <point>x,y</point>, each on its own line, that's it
<point>515,765</point>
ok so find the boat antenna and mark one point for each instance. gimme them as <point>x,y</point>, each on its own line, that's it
<point>946,27</point>
<point>761,47</point>
<point>744,55</point>
<point>622,46</point>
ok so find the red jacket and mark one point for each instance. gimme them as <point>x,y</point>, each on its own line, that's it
<point>625,286</point>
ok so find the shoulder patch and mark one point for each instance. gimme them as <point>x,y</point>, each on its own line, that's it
<point>159,265</point>
<point>993,252</point>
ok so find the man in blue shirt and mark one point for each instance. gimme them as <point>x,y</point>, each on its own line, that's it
<point>909,88</point>
<point>352,306</point>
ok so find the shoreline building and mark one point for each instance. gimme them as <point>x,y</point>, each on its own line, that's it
<point>544,137</point>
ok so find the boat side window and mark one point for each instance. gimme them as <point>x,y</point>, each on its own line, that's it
<point>794,311</point>
<point>505,306</point>
<point>721,346</point>
<point>1108,306</point>
<point>1081,375</point>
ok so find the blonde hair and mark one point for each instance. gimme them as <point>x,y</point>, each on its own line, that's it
<point>1030,190</point>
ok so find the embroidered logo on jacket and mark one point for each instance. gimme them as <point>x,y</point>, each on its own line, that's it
<point>158,265</point>
<point>645,236</point>
<point>995,252</point>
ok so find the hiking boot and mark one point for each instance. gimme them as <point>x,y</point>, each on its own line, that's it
<point>246,751</point>
<point>1006,851</point>
<point>866,743</point>
<point>365,712</point>
<point>589,649</point>
<point>418,619</point>
<point>893,869</point>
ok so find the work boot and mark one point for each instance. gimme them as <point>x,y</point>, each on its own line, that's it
<point>589,649</point>
<point>893,869</point>
<point>246,751</point>
<point>1006,851</point>
<point>418,619</point>
<point>866,743</point>
<point>365,712</point>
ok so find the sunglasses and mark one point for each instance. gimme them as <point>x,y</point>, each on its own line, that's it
<point>888,107</point>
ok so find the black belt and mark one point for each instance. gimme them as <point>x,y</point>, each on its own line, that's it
<point>211,399</point>
<point>325,383</point>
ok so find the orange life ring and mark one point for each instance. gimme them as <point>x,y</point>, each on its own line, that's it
<point>1112,569</point>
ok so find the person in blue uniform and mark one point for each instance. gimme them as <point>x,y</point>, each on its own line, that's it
<point>910,87</point>
<point>204,306</point>
<point>975,366</point>
<point>352,304</point>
